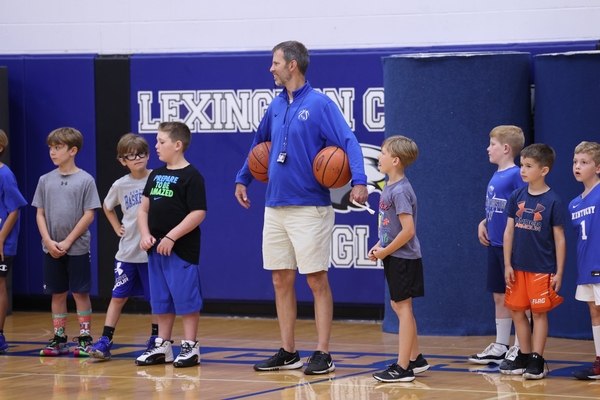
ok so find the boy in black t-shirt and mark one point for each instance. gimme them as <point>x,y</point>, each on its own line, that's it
<point>173,206</point>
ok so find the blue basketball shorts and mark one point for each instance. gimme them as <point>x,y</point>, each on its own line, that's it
<point>67,272</point>
<point>174,284</point>
<point>131,279</point>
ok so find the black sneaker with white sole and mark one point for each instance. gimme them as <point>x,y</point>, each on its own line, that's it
<point>281,360</point>
<point>189,355</point>
<point>159,353</point>
<point>395,373</point>
<point>419,365</point>
<point>319,363</point>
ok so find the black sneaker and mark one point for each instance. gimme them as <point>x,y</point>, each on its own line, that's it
<point>419,365</point>
<point>516,366</point>
<point>395,373</point>
<point>536,367</point>
<point>281,360</point>
<point>319,363</point>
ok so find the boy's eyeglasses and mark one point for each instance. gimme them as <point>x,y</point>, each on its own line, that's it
<point>132,157</point>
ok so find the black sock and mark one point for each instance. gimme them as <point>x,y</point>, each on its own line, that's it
<point>154,329</point>
<point>108,331</point>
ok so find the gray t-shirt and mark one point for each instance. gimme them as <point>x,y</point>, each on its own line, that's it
<point>398,198</point>
<point>64,199</point>
<point>127,192</point>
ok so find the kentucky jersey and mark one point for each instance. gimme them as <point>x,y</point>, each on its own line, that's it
<point>585,218</point>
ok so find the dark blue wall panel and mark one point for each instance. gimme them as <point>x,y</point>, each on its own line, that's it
<point>449,103</point>
<point>566,113</point>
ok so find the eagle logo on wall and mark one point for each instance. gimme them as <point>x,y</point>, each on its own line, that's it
<point>375,180</point>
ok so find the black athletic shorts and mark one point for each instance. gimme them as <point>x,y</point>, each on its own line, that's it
<point>404,278</point>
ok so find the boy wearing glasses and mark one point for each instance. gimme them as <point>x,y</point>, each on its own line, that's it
<point>131,262</point>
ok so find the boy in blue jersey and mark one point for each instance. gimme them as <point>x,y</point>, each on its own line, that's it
<point>10,202</point>
<point>534,260</point>
<point>506,142</point>
<point>173,206</point>
<point>399,249</point>
<point>298,215</point>
<point>586,222</point>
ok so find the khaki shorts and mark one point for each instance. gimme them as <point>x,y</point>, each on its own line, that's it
<point>298,237</point>
<point>588,292</point>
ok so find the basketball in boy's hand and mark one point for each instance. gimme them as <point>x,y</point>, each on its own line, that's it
<point>331,168</point>
<point>258,161</point>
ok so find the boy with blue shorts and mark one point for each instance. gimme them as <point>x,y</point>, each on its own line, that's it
<point>506,142</point>
<point>131,262</point>
<point>585,221</point>
<point>11,200</point>
<point>534,260</point>
<point>66,199</point>
<point>173,206</point>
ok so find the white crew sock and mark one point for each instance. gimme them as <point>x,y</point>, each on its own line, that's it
<point>503,326</point>
<point>596,334</point>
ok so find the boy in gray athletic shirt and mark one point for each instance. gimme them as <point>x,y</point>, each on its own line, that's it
<point>66,199</point>
<point>131,262</point>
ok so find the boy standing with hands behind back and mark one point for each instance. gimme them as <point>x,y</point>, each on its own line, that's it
<point>66,199</point>
<point>534,259</point>
<point>586,222</point>
<point>10,202</point>
<point>506,142</point>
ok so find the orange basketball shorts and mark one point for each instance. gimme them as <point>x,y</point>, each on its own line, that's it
<point>531,290</point>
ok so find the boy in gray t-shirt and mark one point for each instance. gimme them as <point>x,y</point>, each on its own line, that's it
<point>131,262</point>
<point>66,200</point>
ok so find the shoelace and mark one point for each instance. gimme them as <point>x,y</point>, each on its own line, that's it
<point>512,353</point>
<point>83,340</point>
<point>488,349</point>
<point>186,348</point>
<point>317,358</point>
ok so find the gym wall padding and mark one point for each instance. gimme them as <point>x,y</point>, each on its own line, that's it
<point>113,120</point>
<point>448,103</point>
<point>46,92</point>
<point>567,99</point>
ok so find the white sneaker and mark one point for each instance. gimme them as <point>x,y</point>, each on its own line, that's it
<point>511,354</point>
<point>159,353</point>
<point>189,355</point>
<point>494,353</point>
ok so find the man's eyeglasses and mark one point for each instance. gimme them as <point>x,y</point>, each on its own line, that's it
<point>132,157</point>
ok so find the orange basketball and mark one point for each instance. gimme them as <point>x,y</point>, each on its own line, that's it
<point>331,167</point>
<point>258,161</point>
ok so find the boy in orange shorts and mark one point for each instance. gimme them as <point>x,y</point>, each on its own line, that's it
<point>534,259</point>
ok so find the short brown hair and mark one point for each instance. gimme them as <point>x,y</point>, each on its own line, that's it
<point>591,148</point>
<point>543,154</point>
<point>131,142</point>
<point>3,141</point>
<point>293,50</point>
<point>402,147</point>
<point>66,135</point>
<point>177,131</point>
<point>510,135</point>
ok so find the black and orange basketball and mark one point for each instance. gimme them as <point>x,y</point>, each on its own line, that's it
<point>331,167</point>
<point>258,161</point>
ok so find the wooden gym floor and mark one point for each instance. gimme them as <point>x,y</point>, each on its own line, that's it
<point>230,346</point>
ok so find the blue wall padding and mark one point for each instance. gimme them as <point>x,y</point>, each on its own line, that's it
<point>567,100</point>
<point>448,104</point>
